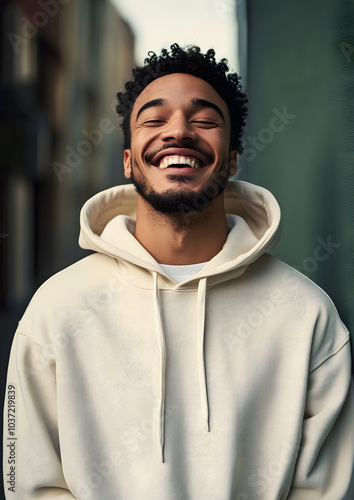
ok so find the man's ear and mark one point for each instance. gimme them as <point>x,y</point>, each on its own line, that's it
<point>127,163</point>
<point>233,162</point>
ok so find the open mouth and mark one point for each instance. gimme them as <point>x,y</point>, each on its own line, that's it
<point>178,161</point>
<point>180,158</point>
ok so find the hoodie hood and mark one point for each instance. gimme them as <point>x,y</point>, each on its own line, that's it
<point>108,223</point>
<point>107,226</point>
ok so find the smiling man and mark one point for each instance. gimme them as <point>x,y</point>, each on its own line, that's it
<point>180,361</point>
<point>180,145</point>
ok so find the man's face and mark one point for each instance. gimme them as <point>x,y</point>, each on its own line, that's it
<point>180,136</point>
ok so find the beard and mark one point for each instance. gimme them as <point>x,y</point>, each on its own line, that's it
<point>184,200</point>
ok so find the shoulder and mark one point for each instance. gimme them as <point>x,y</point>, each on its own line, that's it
<point>66,290</point>
<point>274,273</point>
<point>303,307</point>
<point>88,271</point>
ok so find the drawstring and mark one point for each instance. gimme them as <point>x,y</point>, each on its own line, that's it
<point>201,357</point>
<point>200,340</point>
<point>162,346</point>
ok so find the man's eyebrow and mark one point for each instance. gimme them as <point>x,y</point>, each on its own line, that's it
<point>202,103</point>
<point>151,104</point>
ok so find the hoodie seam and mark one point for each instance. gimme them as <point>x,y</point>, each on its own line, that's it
<point>28,337</point>
<point>301,275</point>
<point>331,354</point>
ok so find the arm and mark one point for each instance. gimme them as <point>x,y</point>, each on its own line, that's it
<point>32,462</point>
<point>324,468</point>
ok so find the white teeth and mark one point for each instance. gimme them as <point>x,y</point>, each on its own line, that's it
<point>177,160</point>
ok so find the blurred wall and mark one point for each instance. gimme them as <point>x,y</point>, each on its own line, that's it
<point>300,136</point>
<point>60,141</point>
<point>62,63</point>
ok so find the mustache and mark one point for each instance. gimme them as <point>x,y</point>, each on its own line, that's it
<point>148,157</point>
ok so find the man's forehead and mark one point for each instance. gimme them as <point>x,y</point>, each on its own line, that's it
<point>179,86</point>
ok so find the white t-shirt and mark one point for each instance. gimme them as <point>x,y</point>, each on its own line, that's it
<point>181,273</point>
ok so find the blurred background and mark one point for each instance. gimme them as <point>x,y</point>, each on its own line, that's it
<point>62,63</point>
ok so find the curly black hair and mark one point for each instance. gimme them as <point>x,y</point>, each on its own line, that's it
<point>192,61</point>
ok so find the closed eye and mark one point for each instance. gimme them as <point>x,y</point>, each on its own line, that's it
<point>205,123</point>
<point>147,122</point>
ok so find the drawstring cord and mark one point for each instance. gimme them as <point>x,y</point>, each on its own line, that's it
<point>200,340</point>
<point>201,357</point>
<point>162,347</point>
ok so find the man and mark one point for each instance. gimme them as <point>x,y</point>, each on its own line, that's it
<point>180,361</point>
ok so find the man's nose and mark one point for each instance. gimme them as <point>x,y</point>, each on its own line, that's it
<point>179,129</point>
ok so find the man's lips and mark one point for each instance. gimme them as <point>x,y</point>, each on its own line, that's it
<point>179,156</point>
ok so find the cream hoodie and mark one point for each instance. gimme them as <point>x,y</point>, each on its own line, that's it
<point>232,385</point>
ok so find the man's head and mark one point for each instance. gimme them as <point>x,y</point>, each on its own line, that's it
<point>183,120</point>
<point>192,61</point>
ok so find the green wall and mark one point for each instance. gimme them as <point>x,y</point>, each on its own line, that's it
<point>300,59</point>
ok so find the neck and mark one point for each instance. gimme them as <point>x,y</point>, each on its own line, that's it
<point>182,239</point>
